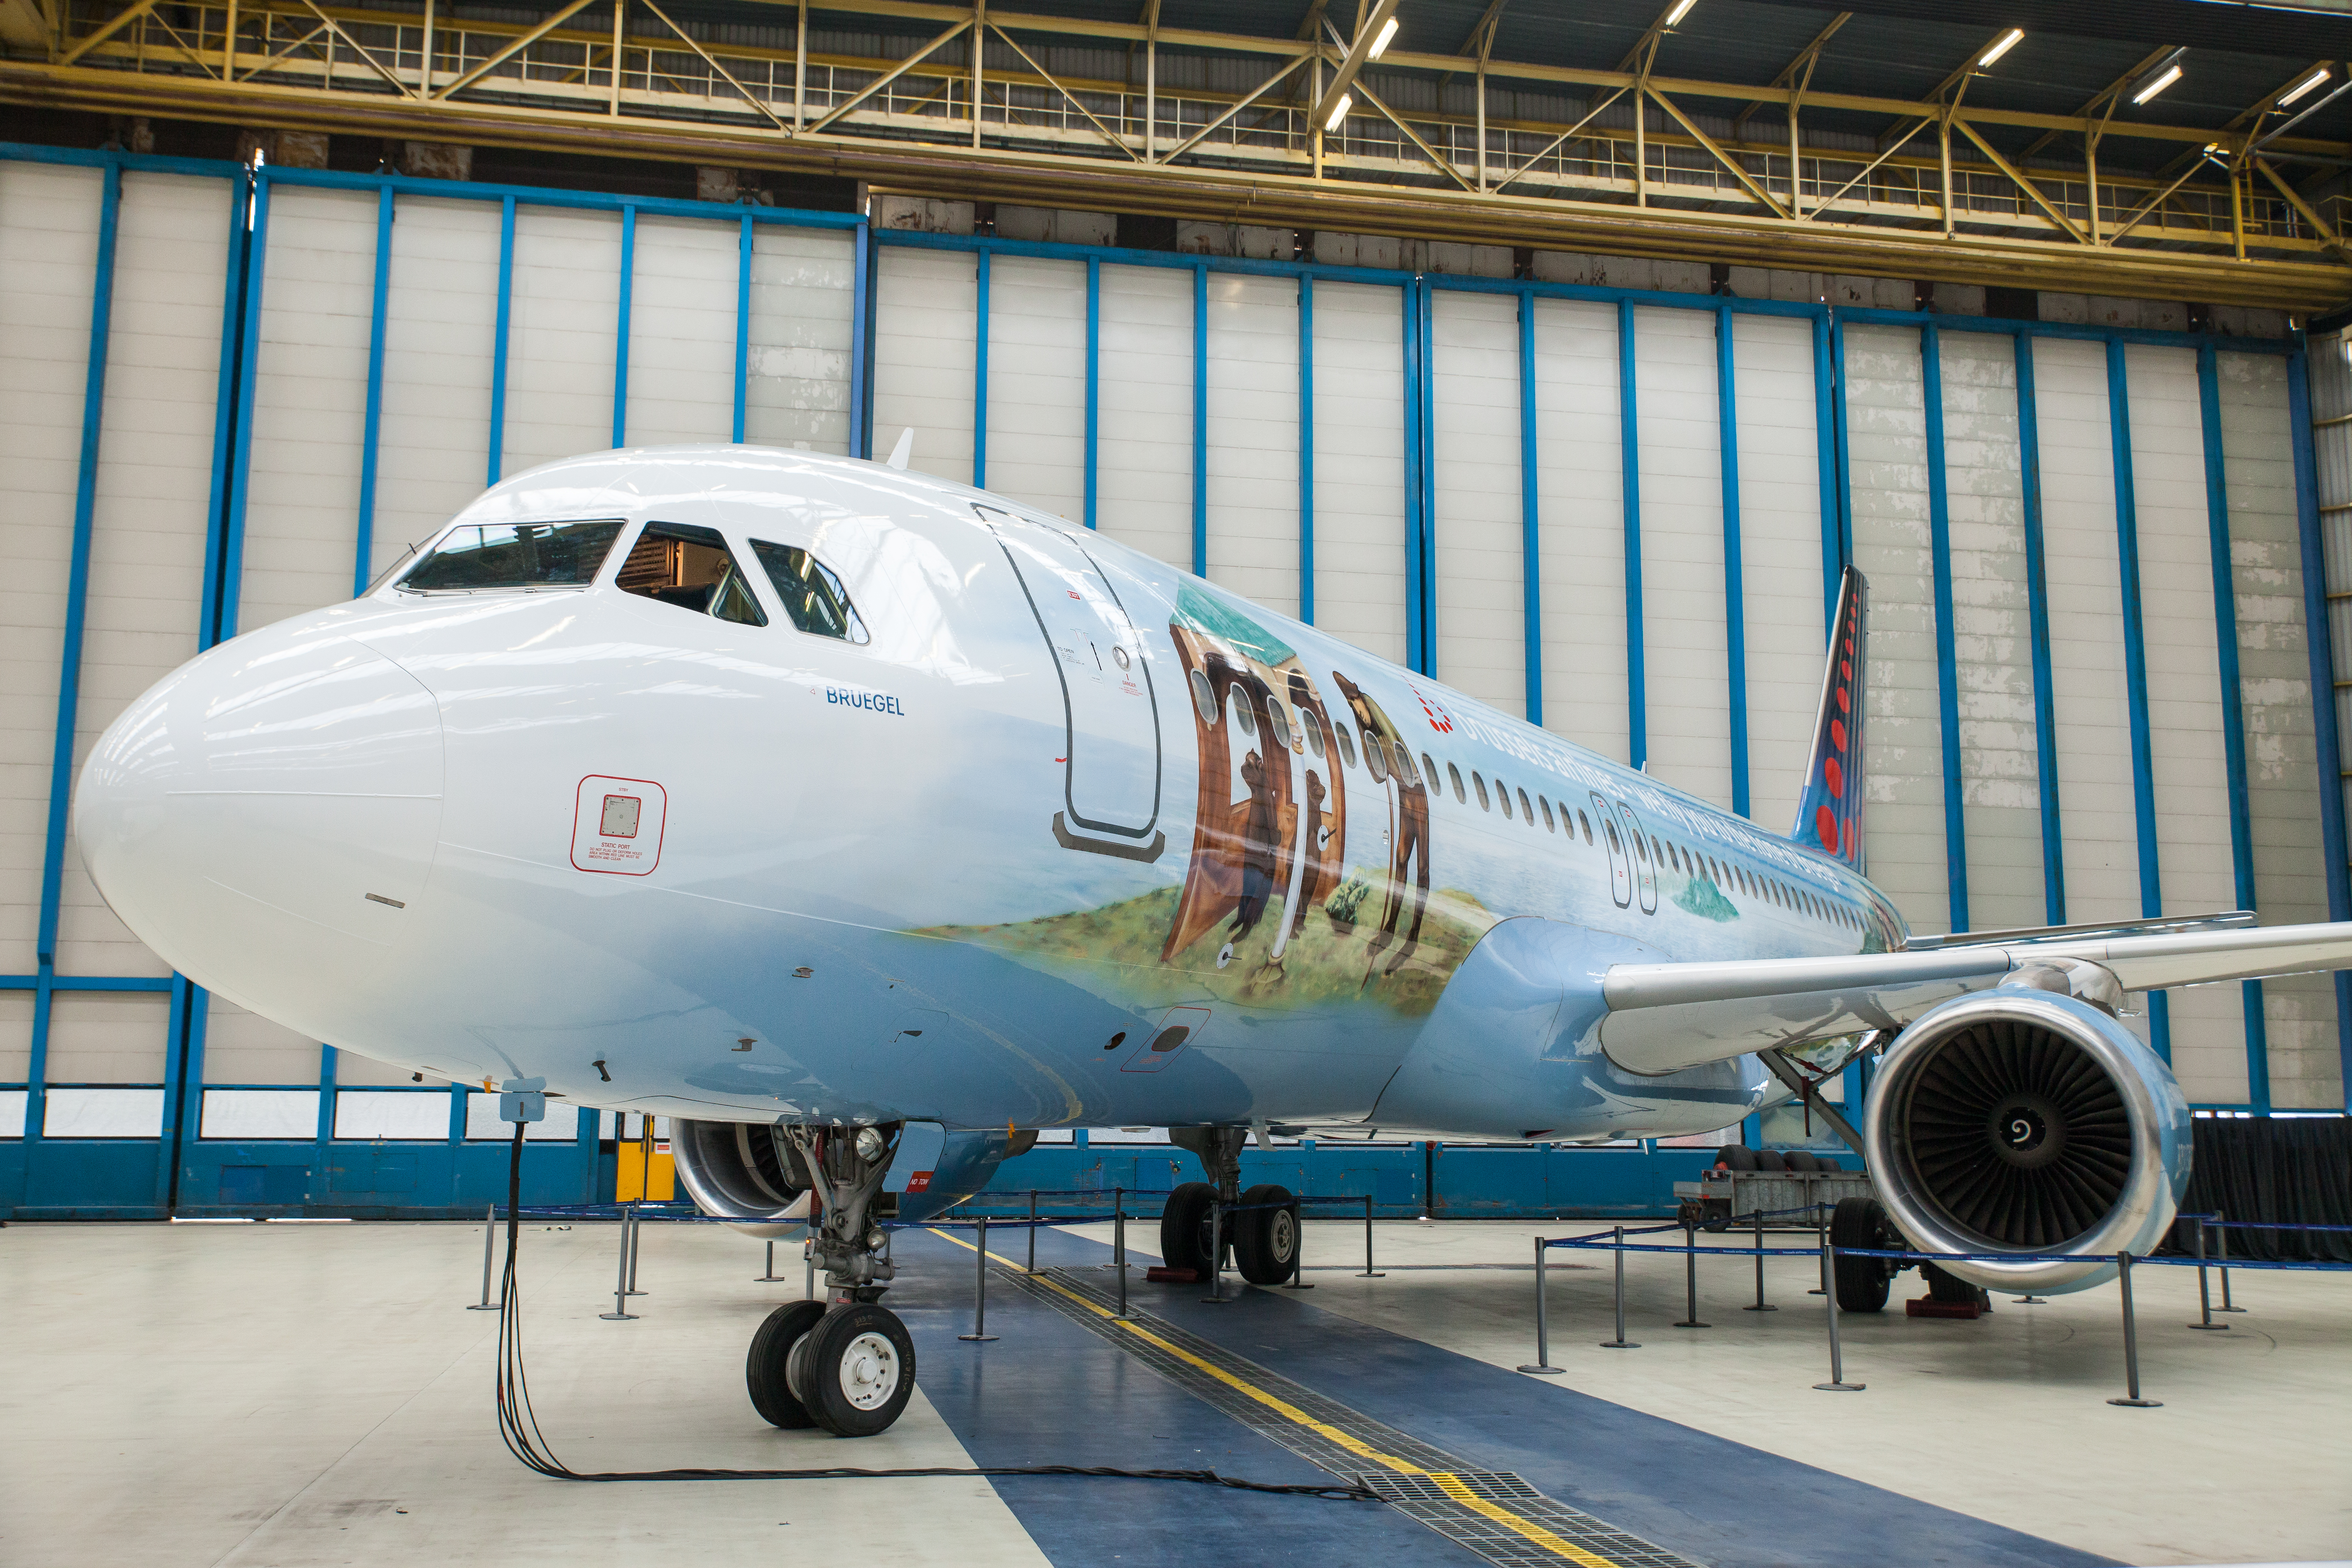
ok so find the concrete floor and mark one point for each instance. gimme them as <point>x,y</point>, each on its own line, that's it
<point>314,1393</point>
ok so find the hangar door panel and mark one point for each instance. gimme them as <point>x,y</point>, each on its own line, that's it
<point>1036,447</point>
<point>1781,554</point>
<point>1359,539</point>
<point>796,381</point>
<point>1580,478</point>
<point>1481,541</point>
<point>1143,459</point>
<point>923,357</point>
<point>1252,438</point>
<point>1684,639</point>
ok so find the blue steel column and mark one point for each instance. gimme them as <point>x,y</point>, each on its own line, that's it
<point>1629,460</point>
<point>1425,420</point>
<point>743,325</point>
<point>861,350</point>
<point>1094,388</point>
<point>2319,639</point>
<point>499,344</point>
<point>2233,715</point>
<point>1530,512</point>
<point>1306,448</point>
<point>2151,886</point>
<point>1201,421</point>
<point>980,371</point>
<point>621,327</point>
<point>2037,603</point>
<point>373,426</point>
<point>61,751</point>
<point>1734,571</point>
<point>1948,675</point>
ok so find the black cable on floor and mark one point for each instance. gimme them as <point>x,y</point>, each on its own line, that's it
<point>519,1426</point>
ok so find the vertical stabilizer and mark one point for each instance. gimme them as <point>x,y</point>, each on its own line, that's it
<point>1829,808</point>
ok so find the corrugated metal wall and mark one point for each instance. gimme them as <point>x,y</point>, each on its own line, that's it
<point>2091,554</point>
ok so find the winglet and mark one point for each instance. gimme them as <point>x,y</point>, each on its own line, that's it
<point>1829,809</point>
<point>904,449</point>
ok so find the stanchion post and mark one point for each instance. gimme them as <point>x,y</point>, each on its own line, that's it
<point>1033,1230</point>
<point>1118,1244</point>
<point>1298,1250</point>
<point>1837,1382</point>
<point>490,1230</point>
<point>1370,1272</point>
<point>2204,1294</point>
<point>2221,1247</point>
<point>2131,1341</point>
<point>1541,1365</point>
<point>1761,1305</point>
<point>1621,1342</point>
<point>1690,1279</point>
<point>620,1312</point>
<point>979,1291</point>
<point>1216,1296</point>
<point>1822,1235</point>
<point>635,1235</point>
<point>770,1277</point>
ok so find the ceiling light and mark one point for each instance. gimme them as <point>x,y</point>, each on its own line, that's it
<point>2305,85</point>
<point>1339,112</point>
<point>2171,75</point>
<point>1682,10</point>
<point>2008,42</point>
<point>1387,31</point>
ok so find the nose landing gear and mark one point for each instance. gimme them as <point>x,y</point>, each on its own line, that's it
<point>846,1364</point>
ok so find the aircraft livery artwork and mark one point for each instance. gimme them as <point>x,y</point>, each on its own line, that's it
<point>865,822</point>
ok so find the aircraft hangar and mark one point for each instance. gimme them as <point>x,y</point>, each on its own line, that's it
<point>1589,371</point>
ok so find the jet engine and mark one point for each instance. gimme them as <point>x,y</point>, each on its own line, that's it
<point>746,1173</point>
<point>2027,1121</point>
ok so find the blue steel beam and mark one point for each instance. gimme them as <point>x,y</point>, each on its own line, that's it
<point>621,327</point>
<point>1735,574</point>
<point>372,429</point>
<point>980,371</point>
<point>1629,467</point>
<point>2233,715</point>
<point>861,341</point>
<point>2151,883</point>
<point>1530,515</point>
<point>2319,638</point>
<point>1094,390</point>
<point>742,326</point>
<point>1306,448</point>
<point>1947,664</point>
<point>498,344</point>
<point>2037,610</point>
<point>1200,421</point>
<point>1424,399</point>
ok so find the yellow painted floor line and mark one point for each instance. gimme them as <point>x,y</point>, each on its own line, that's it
<point>1451,1485</point>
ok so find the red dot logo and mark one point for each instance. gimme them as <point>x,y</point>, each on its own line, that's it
<point>1844,704</point>
<point>1826,823</point>
<point>1834,776</point>
<point>1837,733</point>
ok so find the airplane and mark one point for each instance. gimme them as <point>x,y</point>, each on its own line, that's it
<point>863,823</point>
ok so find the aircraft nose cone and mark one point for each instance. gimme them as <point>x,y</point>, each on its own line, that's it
<point>265,818</point>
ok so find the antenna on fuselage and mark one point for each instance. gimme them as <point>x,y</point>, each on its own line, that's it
<point>904,449</point>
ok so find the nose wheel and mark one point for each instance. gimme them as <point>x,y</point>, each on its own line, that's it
<point>849,1369</point>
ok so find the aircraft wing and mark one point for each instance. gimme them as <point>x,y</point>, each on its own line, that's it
<point>1667,1016</point>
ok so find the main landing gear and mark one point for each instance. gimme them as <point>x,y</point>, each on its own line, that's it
<point>1262,1240</point>
<point>846,1363</point>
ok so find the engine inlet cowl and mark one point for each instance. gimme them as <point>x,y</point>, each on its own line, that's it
<point>740,1171</point>
<point>2017,1121</point>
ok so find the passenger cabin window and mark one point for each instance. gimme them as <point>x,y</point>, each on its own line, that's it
<point>1526,812</point>
<point>813,596</point>
<point>680,564</point>
<point>1549,827</point>
<point>1455,774</point>
<point>1481,786</point>
<point>1347,745</point>
<point>1585,823</point>
<point>1405,769</point>
<point>1502,792</point>
<point>1429,773</point>
<point>475,556</point>
<point>1376,758</point>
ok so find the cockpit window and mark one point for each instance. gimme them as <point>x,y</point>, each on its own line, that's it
<point>513,555</point>
<point>813,596</point>
<point>680,564</point>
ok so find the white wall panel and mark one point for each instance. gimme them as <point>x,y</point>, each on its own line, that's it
<point>441,320</point>
<point>1144,427</point>
<point>1254,437</point>
<point>16,1036</point>
<point>1580,485</point>
<point>1992,632</point>
<point>154,498</point>
<point>1685,649</point>
<point>803,290</point>
<point>1780,555</point>
<point>923,346</point>
<point>1360,543</point>
<point>246,1047</point>
<point>2184,699</point>
<point>562,322</point>
<point>310,403</point>
<point>682,331</point>
<point>1037,383</point>
<point>49,254</point>
<point>2275,683</point>
<point>1886,438</point>
<point>1480,537</point>
<point>108,1036</point>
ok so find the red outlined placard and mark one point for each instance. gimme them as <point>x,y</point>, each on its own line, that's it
<point>617,824</point>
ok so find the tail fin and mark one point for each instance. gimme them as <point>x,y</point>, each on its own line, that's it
<point>1829,809</point>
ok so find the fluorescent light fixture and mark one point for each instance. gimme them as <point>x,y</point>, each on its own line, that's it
<point>2302,87</point>
<point>2008,42</point>
<point>1387,31</point>
<point>1339,112</point>
<point>1682,10</point>
<point>2171,74</point>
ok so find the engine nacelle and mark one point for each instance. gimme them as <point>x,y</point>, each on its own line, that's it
<point>746,1174</point>
<point>2023,1121</point>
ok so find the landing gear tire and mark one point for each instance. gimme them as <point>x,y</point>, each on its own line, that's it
<point>1184,1228</point>
<point>764,1369</point>
<point>1943,1287</point>
<point>1265,1240</point>
<point>1860,1281</point>
<point>857,1369</point>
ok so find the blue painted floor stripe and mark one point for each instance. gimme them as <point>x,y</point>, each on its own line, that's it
<point>1061,1394</point>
